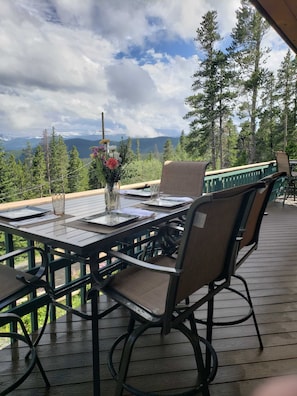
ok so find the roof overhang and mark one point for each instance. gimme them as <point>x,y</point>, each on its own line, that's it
<point>282,16</point>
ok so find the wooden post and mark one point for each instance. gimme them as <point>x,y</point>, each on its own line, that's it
<point>102,122</point>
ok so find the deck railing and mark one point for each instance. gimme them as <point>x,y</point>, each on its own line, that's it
<point>70,277</point>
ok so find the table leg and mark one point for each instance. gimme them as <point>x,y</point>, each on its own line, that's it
<point>95,332</point>
<point>95,345</point>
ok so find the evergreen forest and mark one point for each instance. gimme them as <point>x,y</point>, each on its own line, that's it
<point>239,112</point>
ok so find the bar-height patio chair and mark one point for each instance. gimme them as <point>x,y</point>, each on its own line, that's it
<point>178,179</point>
<point>183,178</point>
<point>153,291</point>
<point>250,237</point>
<point>248,244</point>
<point>16,285</point>
<point>283,165</point>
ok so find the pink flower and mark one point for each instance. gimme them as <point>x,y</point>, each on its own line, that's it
<point>94,153</point>
<point>112,163</point>
<point>98,151</point>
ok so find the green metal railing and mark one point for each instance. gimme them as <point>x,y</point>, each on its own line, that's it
<point>232,177</point>
<point>75,278</point>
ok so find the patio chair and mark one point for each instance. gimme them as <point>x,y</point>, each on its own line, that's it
<point>183,178</point>
<point>250,237</point>
<point>154,291</point>
<point>247,246</point>
<point>16,285</point>
<point>180,179</point>
<point>283,165</point>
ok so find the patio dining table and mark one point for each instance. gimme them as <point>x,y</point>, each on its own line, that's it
<point>83,231</point>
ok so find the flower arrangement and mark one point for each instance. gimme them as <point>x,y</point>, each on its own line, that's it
<point>108,162</point>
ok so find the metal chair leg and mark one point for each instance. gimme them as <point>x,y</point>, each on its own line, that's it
<point>25,338</point>
<point>129,341</point>
<point>249,299</point>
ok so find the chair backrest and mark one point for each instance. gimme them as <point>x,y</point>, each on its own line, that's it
<point>253,225</point>
<point>183,178</point>
<point>210,241</point>
<point>283,163</point>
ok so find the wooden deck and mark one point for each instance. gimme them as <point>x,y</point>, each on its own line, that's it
<point>271,273</point>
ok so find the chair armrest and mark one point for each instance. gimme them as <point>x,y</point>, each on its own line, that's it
<point>143,264</point>
<point>41,270</point>
<point>8,317</point>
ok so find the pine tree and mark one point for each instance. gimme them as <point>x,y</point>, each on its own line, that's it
<point>138,155</point>
<point>243,143</point>
<point>180,150</point>
<point>268,133</point>
<point>58,163</point>
<point>125,150</point>
<point>14,185</point>
<point>211,93</point>
<point>46,149</point>
<point>39,172</point>
<point>168,152</point>
<point>77,174</point>
<point>230,144</point>
<point>224,108</point>
<point>27,181</point>
<point>94,179</point>
<point>286,90</point>
<point>248,56</point>
<point>3,175</point>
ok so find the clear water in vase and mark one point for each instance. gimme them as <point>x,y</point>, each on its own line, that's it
<point>112,196</point>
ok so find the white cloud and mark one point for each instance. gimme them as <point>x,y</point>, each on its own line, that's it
<point>130,83</point>
<point>63,62</point>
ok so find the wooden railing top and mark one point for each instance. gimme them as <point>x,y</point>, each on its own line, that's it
<point>239,168</point>
<point>44,200</point>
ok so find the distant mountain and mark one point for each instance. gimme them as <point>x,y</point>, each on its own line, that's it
<point>146,145</point>
<point>11,144</point>
<point>18,143</point>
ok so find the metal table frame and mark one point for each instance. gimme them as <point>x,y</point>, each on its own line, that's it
<point>86,245</point>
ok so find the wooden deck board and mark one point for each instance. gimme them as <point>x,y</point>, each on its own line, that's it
<point>271,272</point>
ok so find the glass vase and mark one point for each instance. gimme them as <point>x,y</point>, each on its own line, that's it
<point>112,196</point>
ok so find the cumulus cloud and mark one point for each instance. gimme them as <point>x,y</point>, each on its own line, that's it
<point>130,83</point>
<point>63,62</point>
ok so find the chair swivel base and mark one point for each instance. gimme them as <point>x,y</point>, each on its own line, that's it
<point>34,360</point>
<point>250,311</point>
<point>134,391</point>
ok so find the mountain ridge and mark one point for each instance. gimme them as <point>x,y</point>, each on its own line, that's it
<point>83,144</point>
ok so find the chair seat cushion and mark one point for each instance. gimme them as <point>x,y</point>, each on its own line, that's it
<point>9,283</point>
<point>146,288</point>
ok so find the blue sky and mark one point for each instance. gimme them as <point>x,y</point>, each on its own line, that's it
<point>64,62</point>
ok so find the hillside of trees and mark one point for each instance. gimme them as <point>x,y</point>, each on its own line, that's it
<point>54,166</point>
<point>240,112</point>
<point>83,144</point>
<point>143,145</point>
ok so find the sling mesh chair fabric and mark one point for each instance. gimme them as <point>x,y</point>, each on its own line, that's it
<point>183,178</point>
<point>283,165</point>
<point>153,291</point>
<point>178,179</point>
<point>248,244</point>
<point>16,285</point>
